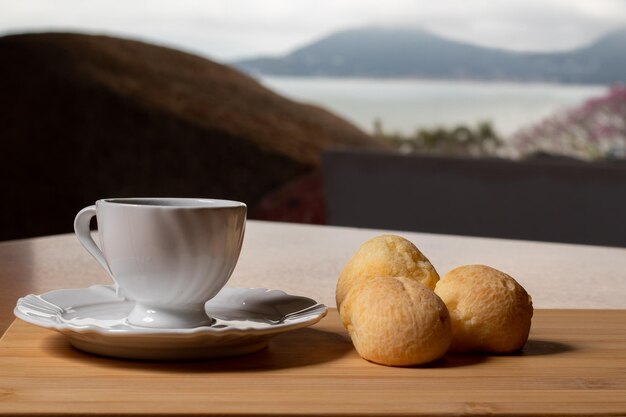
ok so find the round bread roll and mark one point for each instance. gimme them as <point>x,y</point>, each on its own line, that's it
<point>396,321</point>
<point>490,311</point>
<point>386,256</point>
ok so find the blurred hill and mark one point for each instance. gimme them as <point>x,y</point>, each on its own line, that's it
<point>383,52</point>
<point>85,117</point>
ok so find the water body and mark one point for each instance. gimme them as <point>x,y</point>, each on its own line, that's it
<point>405,105</point>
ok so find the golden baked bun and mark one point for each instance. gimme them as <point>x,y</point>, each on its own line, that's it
<point>396,321</point>
<point>489,310</point>
<point>386,256</point>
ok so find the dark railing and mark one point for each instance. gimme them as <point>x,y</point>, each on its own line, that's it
<point>547,200</point>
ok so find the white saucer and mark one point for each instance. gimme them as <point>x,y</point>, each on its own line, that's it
<point>94,320</point>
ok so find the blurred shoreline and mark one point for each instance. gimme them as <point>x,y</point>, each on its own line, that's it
<point>405,105</point>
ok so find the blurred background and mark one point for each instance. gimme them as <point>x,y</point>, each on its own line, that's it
<point>503,119</point>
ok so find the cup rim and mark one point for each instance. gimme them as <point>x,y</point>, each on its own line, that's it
<point>172,202</point>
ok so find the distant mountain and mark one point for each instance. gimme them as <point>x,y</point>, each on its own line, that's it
<point>85,117</point>
<point>380,52</point>
<point>602,62</point>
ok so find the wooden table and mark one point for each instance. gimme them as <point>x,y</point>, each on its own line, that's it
<point>306,260</point>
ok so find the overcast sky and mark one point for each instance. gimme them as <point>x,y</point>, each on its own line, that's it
<point>231,29</point>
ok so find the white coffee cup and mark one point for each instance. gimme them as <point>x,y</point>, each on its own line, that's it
<point>169,255</point>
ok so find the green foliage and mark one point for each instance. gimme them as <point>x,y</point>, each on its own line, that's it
<point>481,140</point>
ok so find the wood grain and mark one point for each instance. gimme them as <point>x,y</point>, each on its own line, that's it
<point>573,365</point>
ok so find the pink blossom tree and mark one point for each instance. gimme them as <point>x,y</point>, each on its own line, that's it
<point>595,130</point>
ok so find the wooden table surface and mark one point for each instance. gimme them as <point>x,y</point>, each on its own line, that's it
<point>306,260</point>
<point>573,365</point>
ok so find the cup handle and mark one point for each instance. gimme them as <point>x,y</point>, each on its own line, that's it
<point>81,228</point>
